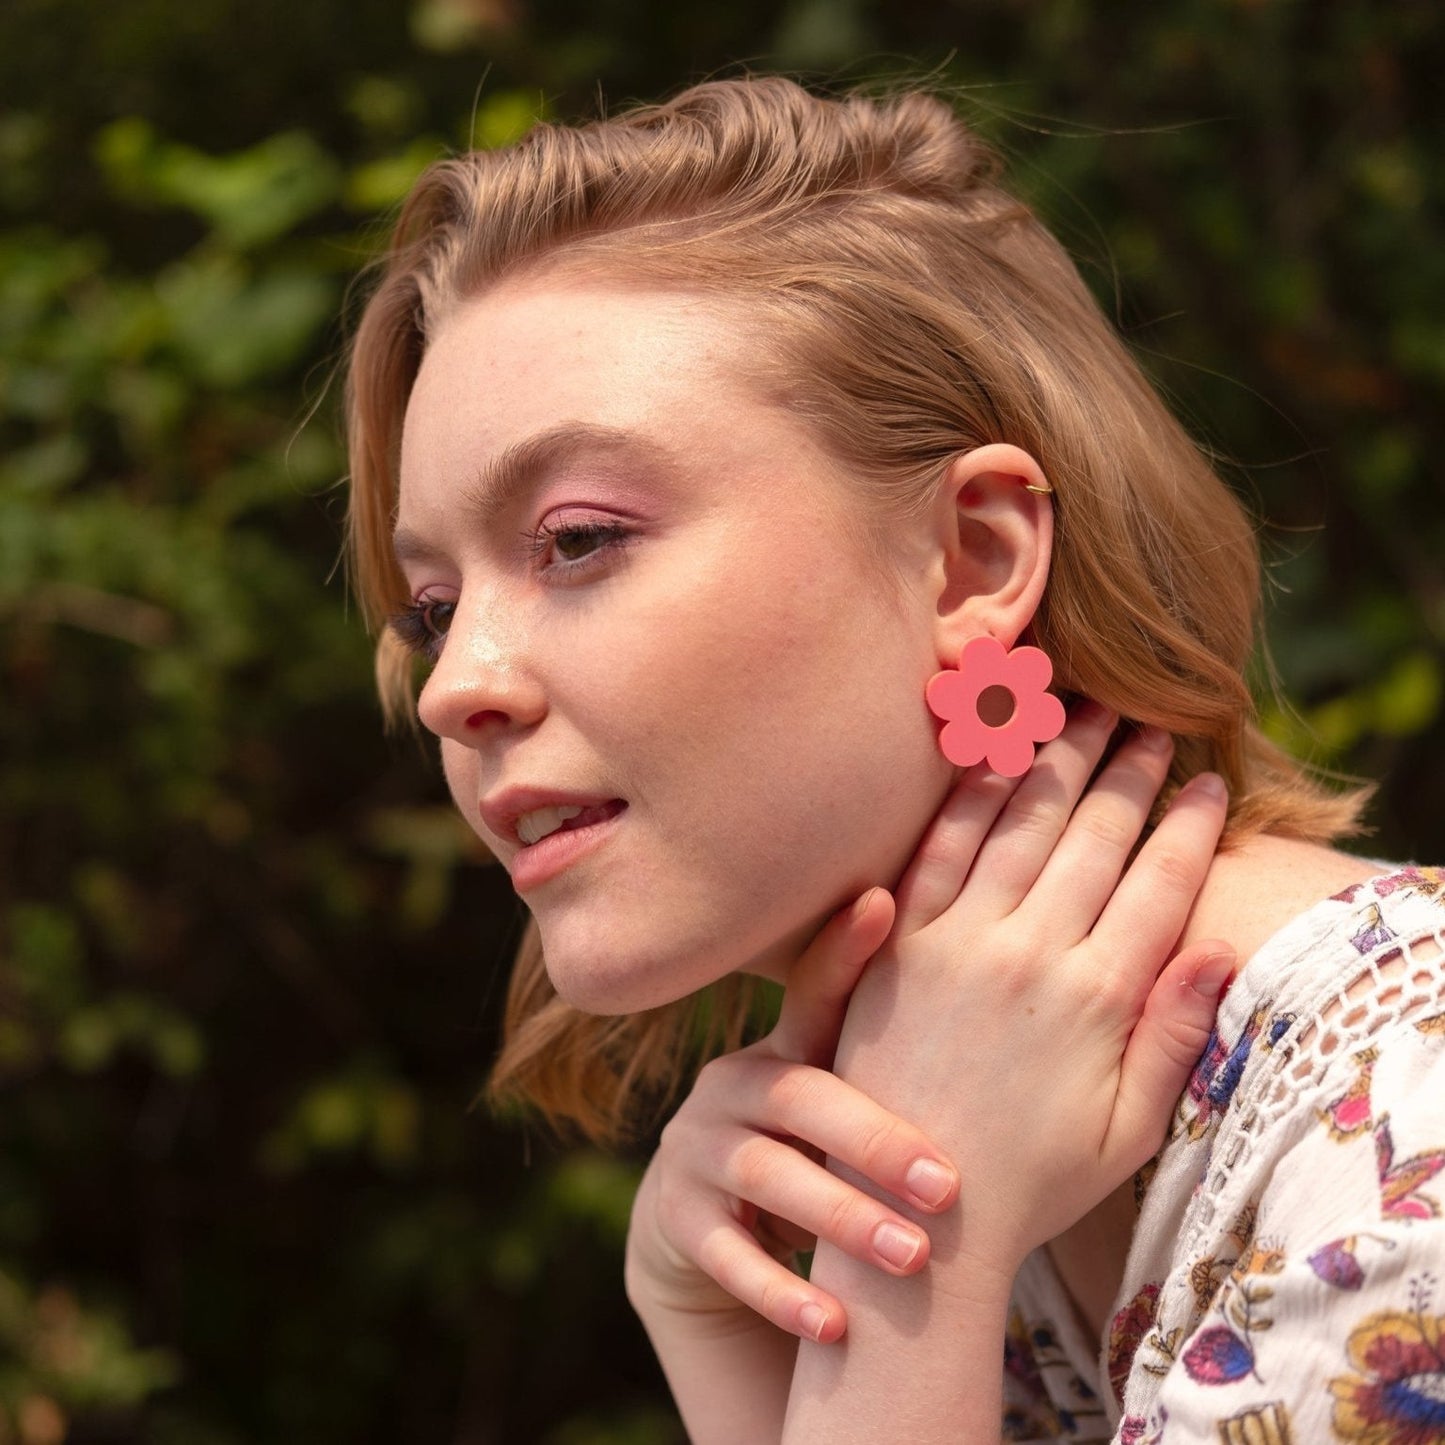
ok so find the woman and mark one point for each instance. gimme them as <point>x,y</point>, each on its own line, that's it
<point>713,455</point>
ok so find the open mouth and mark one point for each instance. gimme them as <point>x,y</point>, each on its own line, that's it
<point>564,818</point>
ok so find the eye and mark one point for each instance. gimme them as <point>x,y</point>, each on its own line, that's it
<point>564,544</point>
<point>421,627</point>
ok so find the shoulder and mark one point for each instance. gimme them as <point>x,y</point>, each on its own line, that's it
<point>1257,888</point>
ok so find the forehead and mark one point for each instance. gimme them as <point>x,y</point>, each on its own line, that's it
<point>522,359</point>
<point>680,385</point>
<point>651,392</point>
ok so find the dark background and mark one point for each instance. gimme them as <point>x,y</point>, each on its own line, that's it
<point>251,965</point>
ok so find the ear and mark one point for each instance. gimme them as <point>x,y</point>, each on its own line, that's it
<point>993,541</point>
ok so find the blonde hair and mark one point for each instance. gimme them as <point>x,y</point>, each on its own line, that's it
<point>911,309</point>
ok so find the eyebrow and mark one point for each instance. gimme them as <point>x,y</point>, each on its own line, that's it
<point>523,463</point>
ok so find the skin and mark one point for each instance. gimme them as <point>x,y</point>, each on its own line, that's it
<point>1047,993</point>
<point>741,631</point>
<point>673,610</point>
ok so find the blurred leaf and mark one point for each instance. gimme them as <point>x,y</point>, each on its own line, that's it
<point>232,326</point>
<point>250,197</point>
<point>76,1356</point>
<point>595,1189</point>
<point>44,958</point>
<point>381,184</point>
<point>360,1110</point>
<point>504,116</point>
<point>1408,699</point>
<point>93,1034</point>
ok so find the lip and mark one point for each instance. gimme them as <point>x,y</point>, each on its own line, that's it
<point>533,864</point>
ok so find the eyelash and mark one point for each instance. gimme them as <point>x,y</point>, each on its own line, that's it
<point>417,625</point>
<point>605,535</point>
<point>414,626</point>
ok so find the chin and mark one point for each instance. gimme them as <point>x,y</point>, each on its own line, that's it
<point>596,980</point>
<point>607,995</point>
<point>612,977</point>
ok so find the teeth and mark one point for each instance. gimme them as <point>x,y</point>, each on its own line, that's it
<point>533,827</point>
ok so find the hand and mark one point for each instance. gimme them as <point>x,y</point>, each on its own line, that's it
<point>1018,1012</point>
<point>737,1184</point>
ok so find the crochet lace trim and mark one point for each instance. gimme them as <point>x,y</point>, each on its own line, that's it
<point>1332,1015</point>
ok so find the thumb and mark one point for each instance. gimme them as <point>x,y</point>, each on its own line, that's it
<point>815,999</point>
<point>1167,1041</point>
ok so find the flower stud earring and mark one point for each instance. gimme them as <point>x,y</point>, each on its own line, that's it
<point>1037,715</point>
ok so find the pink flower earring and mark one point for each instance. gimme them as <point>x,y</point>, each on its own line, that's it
<point>1037,716</point>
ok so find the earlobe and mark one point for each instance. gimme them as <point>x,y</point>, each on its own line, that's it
<point>994,541</point>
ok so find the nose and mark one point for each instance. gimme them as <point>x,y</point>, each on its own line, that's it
<point>483,681</point>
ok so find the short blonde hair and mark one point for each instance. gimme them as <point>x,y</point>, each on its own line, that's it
<point>911,310</point>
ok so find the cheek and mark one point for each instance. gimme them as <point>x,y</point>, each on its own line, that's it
<point>459,766</point>
<point>778,723</point>
<point>733,649</point>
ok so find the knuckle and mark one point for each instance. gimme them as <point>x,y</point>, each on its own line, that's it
<point>672,1190</point>
<point>948,839</point>
<point>1107,828</point>
<point>934,852</point>
<point>1176,869</point>
<point>1033,816</point>
<point>680,1139</point>
<point>792,1092</point>
<point>1016,964</point>
<point>1183,1039</point>
<point>754,1167</point>
<point>1115,993</point>
<point>670,1142</point>
<point>710,1254</point>
<point>878,1143</point>
<point>712,1077</point>
<point>676,1220</point>
<point>986,784</point>
<point>842,1220</point>
<point>775,1299</point>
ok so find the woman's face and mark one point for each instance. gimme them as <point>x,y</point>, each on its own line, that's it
<point>676,693</point>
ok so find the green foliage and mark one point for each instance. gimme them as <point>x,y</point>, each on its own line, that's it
<point>64,1360</point>
<point>247,199</point>
<point>250,962</point>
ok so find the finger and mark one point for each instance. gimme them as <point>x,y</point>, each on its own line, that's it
<point>728,1253</point>
<point>781,1237</point>
<point>947,850</point>
<point>778,1180</point>
<point>1084,869</point>
<point>1030,826</point>
<point>1149,908</point>
<point>822,980</point>
<point>845,1125</point>
<point>1166,1044</point>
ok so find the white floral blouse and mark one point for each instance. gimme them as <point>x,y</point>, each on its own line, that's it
<point>1286,1280</point>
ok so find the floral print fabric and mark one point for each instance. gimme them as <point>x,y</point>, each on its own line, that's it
<point>1286,1280</point>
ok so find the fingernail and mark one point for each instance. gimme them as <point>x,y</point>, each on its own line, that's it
<point>929,1182</point>
<point>1156,739</point>
<point>1211,975</point>
<point>897,1244</point>
<point>861,906</point>
<point>1210,784</point>
<point>813,1320</point>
